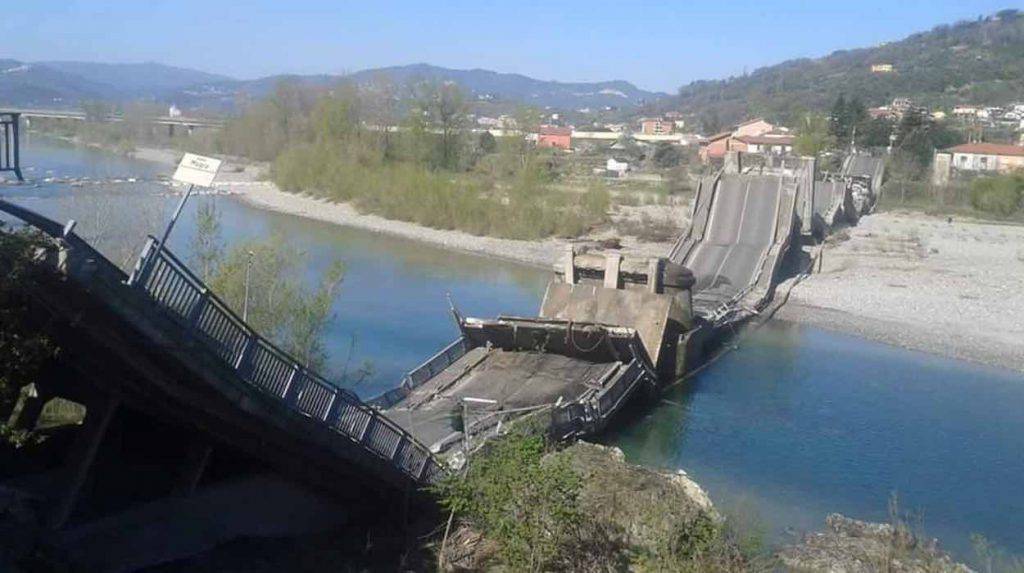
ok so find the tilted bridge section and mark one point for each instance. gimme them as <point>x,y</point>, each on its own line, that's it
<point>169,346</point>
<point>742,226</point>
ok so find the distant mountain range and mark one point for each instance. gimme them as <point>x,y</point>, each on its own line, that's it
<point>979,62</point>
<point>67,84</point>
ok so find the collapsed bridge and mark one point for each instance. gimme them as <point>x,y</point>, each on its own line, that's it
<point>160,343</point>
<point>611,327</point>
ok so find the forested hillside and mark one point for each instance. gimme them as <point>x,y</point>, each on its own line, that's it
<point>978,62</point>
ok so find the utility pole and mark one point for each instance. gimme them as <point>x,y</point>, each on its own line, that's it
<point>245,302</point>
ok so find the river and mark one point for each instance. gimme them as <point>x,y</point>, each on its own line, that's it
<point>794,424</point>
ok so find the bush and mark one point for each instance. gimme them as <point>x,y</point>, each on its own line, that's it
<point>530,509</point>
<point>1001,195</point>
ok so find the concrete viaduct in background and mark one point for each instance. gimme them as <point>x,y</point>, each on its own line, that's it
<point>188,123</point>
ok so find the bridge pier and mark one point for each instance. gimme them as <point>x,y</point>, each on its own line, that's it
<point>82,457</point>
<point>10,156</point>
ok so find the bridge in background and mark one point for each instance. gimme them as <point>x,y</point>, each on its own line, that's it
<point>187,123</point>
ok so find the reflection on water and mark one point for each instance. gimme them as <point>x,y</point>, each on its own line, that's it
<point>393,299</point>
<point>802,422</point>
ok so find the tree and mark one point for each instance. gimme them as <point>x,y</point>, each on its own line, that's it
<point>813,135</point>
<point>445,108</point>
<point>874,132</point>
<point>837,121</point>
<point>918,137</point>
<point>337,116</point>
<point>846,118</point>
<point>279,305</point>
<point>487,143</point>
<point>711,123</point>
<point>207,246</point>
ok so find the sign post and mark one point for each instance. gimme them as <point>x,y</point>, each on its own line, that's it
<point>194,170</point>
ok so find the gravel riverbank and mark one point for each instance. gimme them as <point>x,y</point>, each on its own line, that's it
<point>926,283</point>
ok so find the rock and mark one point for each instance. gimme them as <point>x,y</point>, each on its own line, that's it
<point>852,546</point>
<point>648,506</point>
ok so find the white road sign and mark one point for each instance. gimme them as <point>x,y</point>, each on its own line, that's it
<point>197,170</point>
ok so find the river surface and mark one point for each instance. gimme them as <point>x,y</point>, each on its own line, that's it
<point>794,424</point>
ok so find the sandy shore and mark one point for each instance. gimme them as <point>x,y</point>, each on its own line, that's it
<point>920,282</point>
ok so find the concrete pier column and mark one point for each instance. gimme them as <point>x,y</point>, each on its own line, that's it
<point>82,457</point>
<point>192,469</point>
<point>612,264</point>
<point>570,266</point>
<point>733,162</point>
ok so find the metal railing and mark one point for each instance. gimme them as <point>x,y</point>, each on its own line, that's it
<point>592,413</point>
<point>423,373</point>
<point>257,361</point>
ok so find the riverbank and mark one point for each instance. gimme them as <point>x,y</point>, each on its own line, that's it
<point>901,278</point>
<point>924,283</point>
<point>247,181</point>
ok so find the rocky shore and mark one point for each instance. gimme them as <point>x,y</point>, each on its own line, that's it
<point>851,546</point>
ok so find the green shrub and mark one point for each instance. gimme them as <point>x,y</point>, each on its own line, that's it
<point>530,509</point>
<point>1001,195</point>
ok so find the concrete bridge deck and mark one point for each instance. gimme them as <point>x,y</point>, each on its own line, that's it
<point>741,227</point>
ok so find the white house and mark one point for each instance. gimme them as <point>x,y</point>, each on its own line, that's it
<point>999,157</point>
<point>616,168</point>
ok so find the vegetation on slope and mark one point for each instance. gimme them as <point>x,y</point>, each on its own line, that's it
<point>980,62</point>
<point>521,506</point>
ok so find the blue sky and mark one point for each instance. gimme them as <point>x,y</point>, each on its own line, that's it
<point>656,45</point>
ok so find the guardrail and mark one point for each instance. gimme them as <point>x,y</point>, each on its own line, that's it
<point>590,414</point>
<point>423,373</point>
<point>257,361</point>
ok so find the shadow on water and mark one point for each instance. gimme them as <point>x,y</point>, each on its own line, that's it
<point>801,422</point>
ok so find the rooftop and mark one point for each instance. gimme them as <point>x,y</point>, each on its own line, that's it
<point>767,139</point>
<point>555,130</point>
<point>988,149</point>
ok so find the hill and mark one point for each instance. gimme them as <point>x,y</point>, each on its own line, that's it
<point>67,84</point>
<point>148,80</point>
<point>480,85</point>
<point>968,62</point>
<point>488,85</point>
<point>23,84</point>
